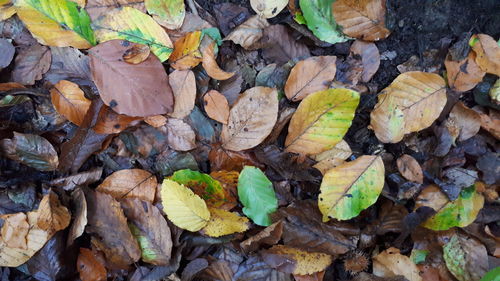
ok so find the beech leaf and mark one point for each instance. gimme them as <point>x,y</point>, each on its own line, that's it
<point>183,85</point>
<point>224,223</point>
<point>31,150</point>
<point>216,106</point>
<point>466,258</point>
<point>249,32</point>
<point>69,101</point>
<point>319,19</point>
<point>268,8</point>
<point>202,185</point>
<point>168,13</point>
<point>130,183</point>
<point>487,53</point>
<point>291,260</point>
<point>390,263</point>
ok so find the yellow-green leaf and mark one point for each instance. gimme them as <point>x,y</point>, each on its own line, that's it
<point>201,184</point>
<point>7,9</point>
<point>169,13</point>
<point>224,223</point>
<point>348,189</point>
<point>135,26</point>
<point>59,23</point>
<point>321,121</point>
<point>184,208</point>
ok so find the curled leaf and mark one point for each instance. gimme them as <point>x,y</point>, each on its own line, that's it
<point>211,67</point>
<point>249,32</point>
<point>487,53</point>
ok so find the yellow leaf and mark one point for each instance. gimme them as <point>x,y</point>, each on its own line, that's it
<point>292,260</point>
<point>186,54</point>
<point>69,101</point>
<point>7,9</point>
<point>333,157</point>
<point>184,208</point>
<point>390,263</point>
<point>224,223</point>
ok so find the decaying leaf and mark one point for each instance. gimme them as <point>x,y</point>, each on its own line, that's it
<point>184,208</point>
<point>270,235</point>
<point>466,258</point>
<point>224,223</point>
<point>467,121</point>
<point>202,185</point>
<point>463,75</point>
<point>409,104</point>
<point>183,85</point>
<point>168,13</point>
<point>390,263</point>
<point>370,58</point>
<point>67,62</point>
<point>70,101</point>
<point>30,64</point>
<point>110,122</point>
<point>249,32</point>
<point>292,260</point>
<point>268,8</point>
<point>79,215</point>
<point>487,53</point>
<point>333,157</point>
<point>14,230</point>
<point>90,267</point>
<point>7,9</point>
<point>130,183</point>
<point>409,168</point>
<point>321,120</point>
<point>245,129</point>
<point>137,54</point>
<point>210,64</point>
<point>98,8</point>
<point>7,50</point>
<point>216,106</point>
<point>186,54</point>
<point>279,46</point>
<point>30,150</point>
<point>180,136</point>
<point>309,76</point>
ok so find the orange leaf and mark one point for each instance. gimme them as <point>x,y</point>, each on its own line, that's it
<point>110,122</point>
<point>410,169</point>
<point>487,53</point>
<point>216,106</point>
<point>137,54</point>
<point>186,54</point>
<point>211,67</point>
<point>89,267</point>
<point>130,183</point>
<point>183,85</point>
<point>463,75</point>
<point>69,101</point>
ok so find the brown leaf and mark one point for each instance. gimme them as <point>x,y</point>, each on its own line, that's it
<point>222,159</point>
<point>254,268</point>
<point>10,86</point>
<point>210,64</point>
<point>280,47</point>
<point>69,101</point>
<point>30,64</point>
<point>318,276</point>
<point>183,85</point>
<point>245,129</point>
<point>370,58</point>
<point>150,225</point>
<point>364,19</point>
<point>186,53</point>
<point>52,215</point>
<point>390,263</point>
<point>229,181</point>
<point>109,229</point>
<point>137,54</point>
<point>110,122</point>
<point>130,183</point>
<point>487,53</point>
<point>467,121</point>
<point>390,218</point>
<point>292,260</point>
<point>249,32</point>
<point>410,169</point>
<point>14,230</point>
<point>216,106</point>
<point>466,258</point>
<point>309,76</point>
<point>80,215</point>
<point>97,8</point>
<point>180,136</point>
<point>363,276</point>
<point>491,123</point>
<point>270,235</point>
<point>463,75</point>
<point>89,266</point>
<point>7,52</point>
<point>30,150</point>
<point>131,89</point>
<point>156,120</point>
<point>67,63</point>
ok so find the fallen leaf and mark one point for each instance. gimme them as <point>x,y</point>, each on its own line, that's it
<point>292,260</point>
<point>221,159</point>
<point>183,85</point>
<point>193,268</point>
<point>156,120</point>
<point>14,230</point>
<point>168,13</point>
<point>333,157</point>
<point>67,63</point>
<point>69,101</point>
<point>203,185</point>
<point>461,212</point>
<point>186,54</point>
<point>312,131</point>
<point>89,266</point>
<point>79,215</point>
<point>224,223</point>
<point>254,268</point>
<point>361,19</point>
<point>110,122</point>
<point>257,195</point>
<point>180,135</point>
<point>363,276</point>
<point>268,8</point>
<point>463,75</point>
<point>30,64</point>
<point>134,90</point>
<point>318,276</point>
<point>270,235</point>
<point>151,230</point>
<point>467,120</point>
<point>98,8</point>
<point>130,183</point>
<point>279,46</point>
<point>4,87</point>
<point>487,53</point>
<point>309,76</point>
<point>10,100</point>
<point>319,19</point>
<point>370,58</point>
<point>7,52</point>
<point>491,123</point>
<point>229,181</point>
<point>59,23</point>
<point>466,258</point>
<point>7,9</point>
<point>135,26</point>
<point>216,106</point>
<point>30,150</point>
<point>110,233</point>
<point>184,208</point>
<point>409,104</point>
<point>249,32</point>
<point>52,215</point>
<point>410,169</point>
<point>210,64</point>
<point>137,54</point>
<point>245,129</point>
<point>390,263</point>
<point>390,218</point>
<point>489,164</point>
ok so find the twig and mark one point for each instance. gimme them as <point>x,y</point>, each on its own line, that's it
<point>192,7</point>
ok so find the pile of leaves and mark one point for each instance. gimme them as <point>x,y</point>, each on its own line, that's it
<point>159,140</point>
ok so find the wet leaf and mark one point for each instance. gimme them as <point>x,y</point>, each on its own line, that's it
<point>180,135</point>
<point>134,90</point>
<point>130,183</point>
<point>390,263</point>
<point>30,150</point>
<point>348,189</point>
<point>186,54</point>
<point>98,8</point>
<point>69,101</point>
<point>319,19</point>
<point>409,104</point>
<point>183,86</point>
<point>292,260</point>
<point>30,64</point>
<point>268,8</point>
<point>110,122</point>
<point>361,19</point>
<point>109,229</point>
<point>461,212</point>
<point>137,54</point>
<point>467,120</point>
<point>79,215</point>
<point>216,106</point>
<point>168,13</point>
<point>202,185</point>
<point>466,258</point>
<point>487,53</point>
<point>257,195</point>
<point>463,75</point>
<point>249,32</point>
<point>59,23</point>
<point>270,235</point>
<point>333,157</point>
<point>184,208</point>
<point>309,76</point>
<point>245,129</point>
<point>210,64</point>
<point>89,266</point>
<point>150,229</point>
<point>7,52</point>
<point>321,120</point>
<point>410,169</point>
<point>224,223</point>
<point>370,58</point>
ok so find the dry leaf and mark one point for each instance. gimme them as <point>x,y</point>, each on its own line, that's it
<point>270,235</point>
<point>362,19</point>
<point>487,53</point>
<point>52,215</point>
<point>97,8</point>
<point>79,215</point>
<point>279,46</point>
<point>30,64</point>
<point>210,64</point>
<point>156,120</point>
<point>216,106</point>
<point>390,263</point>
<point>30,150</point>
<point>463,75</point>
<point>245,129</point>
<point>467,120</point>
<point>491,123</point>
<point>370,58</point>
<point>229,181</point>
<point>137,54</point>
<point>186,54</point>
<point>180,136</point>
<point>14,230</point>
<point>309,76</point>
<point>333,157</point>
<point>89,267</point>
<point>318,276</point>
<point>110,122</point>
<point>409,168</point>
<point>222,159</point>
<point>183,85</point>
<point>130,183</point>
<point>292,260</point>
<point>224,223</point>
<point>249,32</point>
<point>69,101</point>
<point>268,8</point>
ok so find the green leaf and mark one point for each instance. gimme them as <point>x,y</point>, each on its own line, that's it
<point>212,32</point>
<point>465,257</point>
<point>203,185</point>
<point>492,275</point>
<point>418,256</point>
<point>169,13</point>
<point>256,193</point>
<point>319,18</point>
<point>10,100</point>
